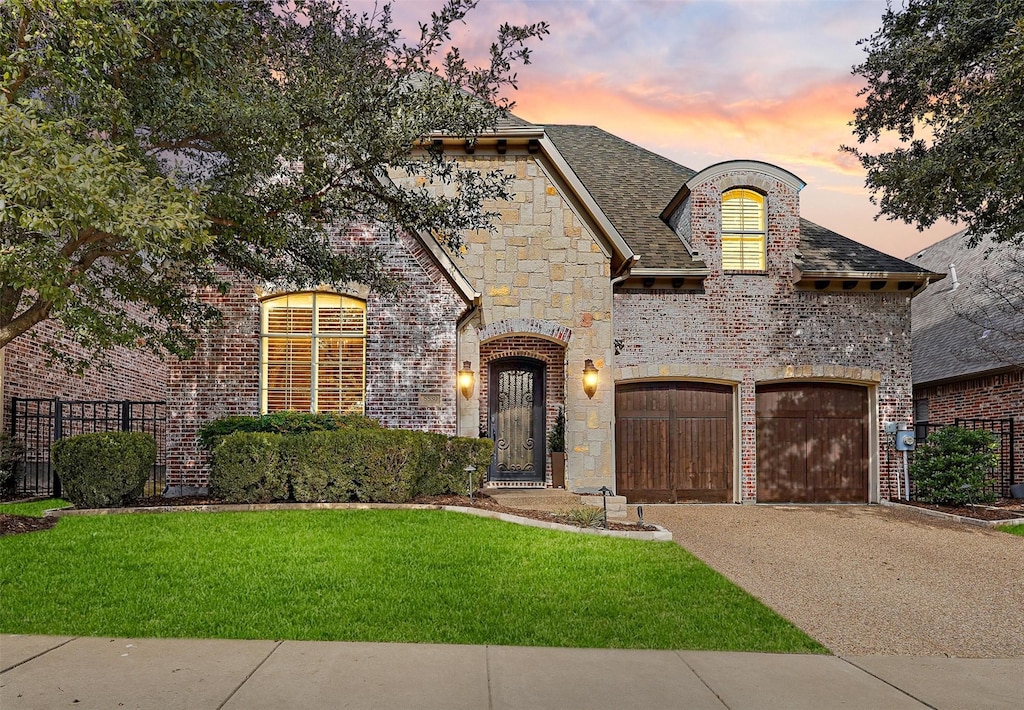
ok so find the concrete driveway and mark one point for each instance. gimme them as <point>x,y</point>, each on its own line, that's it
<point>867,580</point>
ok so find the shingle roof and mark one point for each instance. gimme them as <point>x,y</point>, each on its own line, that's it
<point>822,249</point>
<point>965,327</point>
<point>632,186</point>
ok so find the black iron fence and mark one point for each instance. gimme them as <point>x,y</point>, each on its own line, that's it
<point>1004,474</point>
<point>37,423</point>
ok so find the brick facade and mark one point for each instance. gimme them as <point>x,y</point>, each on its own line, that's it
<point>410,357</point>
<point>751,328</point>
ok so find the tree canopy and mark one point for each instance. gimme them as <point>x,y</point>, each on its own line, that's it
<point>945,79</point>
<point>147,146</point>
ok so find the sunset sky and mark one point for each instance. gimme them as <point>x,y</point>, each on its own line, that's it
<point>705,81</point>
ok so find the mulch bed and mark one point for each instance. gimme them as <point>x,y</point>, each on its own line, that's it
<point>17,524</point>
<point>1003,509</point>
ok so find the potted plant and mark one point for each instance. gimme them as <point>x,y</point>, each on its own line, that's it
<point>556,449</point>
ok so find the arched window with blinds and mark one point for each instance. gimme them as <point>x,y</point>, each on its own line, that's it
<point>743,231</point>
<point>313,353</point>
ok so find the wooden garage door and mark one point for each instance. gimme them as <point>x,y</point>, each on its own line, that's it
<point>673,442</point>
<point>812,443</point>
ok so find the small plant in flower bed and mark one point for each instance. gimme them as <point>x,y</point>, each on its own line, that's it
<point>951,466</point>
<point>586,516</point>
<point>211,433</point>
<point>104,469</point>
<point>369,465</point>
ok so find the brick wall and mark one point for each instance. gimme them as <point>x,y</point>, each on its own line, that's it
<point>995,396</point>
<point>410,351</point>
<point>128,374</point>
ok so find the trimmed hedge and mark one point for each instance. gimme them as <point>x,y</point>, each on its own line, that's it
<point>248,469</point>
<point>211,433</point>
<point>369,465</point>
<point>104,469</point>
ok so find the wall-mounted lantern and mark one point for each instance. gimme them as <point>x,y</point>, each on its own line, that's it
<point>589,378</point>
<point>466,380</point>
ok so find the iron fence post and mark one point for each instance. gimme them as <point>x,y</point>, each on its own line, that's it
<point>58,434</point>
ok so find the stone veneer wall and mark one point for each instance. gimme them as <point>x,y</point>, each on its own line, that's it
<point>544,267</point>
<point>410,351</point>
<point>757,325</point>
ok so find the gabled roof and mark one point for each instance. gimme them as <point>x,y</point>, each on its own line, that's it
<point>631,185</point>
<point>974,323</point>
<point>825,251</point>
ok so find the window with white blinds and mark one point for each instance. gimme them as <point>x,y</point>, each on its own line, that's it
<point>743,231</point>
<point>313,353</point>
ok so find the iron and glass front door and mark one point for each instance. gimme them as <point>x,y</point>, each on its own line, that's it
<point>516,416</point>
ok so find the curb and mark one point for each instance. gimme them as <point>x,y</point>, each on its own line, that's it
<point>658,535</point>
<point>954,518</point>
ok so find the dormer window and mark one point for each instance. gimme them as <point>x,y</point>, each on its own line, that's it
<point>743,231</point>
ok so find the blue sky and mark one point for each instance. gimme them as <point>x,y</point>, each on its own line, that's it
<point>705,81</point>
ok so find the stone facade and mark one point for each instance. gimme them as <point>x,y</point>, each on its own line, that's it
<point>544,275</point>
<point>410,358</point>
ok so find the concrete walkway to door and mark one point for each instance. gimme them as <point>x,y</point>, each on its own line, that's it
<point>866,580</point>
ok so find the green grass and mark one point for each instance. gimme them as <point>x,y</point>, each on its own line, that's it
<point>413,576</point>
<point>1013,529</point>
<point>33,509</point>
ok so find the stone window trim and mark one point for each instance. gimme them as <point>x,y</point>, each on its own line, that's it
<point>744,223</point>
<point>314,351</point>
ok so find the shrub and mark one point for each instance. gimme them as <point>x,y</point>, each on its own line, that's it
<point>105,468</point>
<point>384,464</point>
<point>951,466</point>
<point>319,466</point>
<point>211,433</point>
<point>246,468</point>
<point>10,453</point>
<point>449,476</point>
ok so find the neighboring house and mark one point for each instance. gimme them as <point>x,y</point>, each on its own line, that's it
<point>741,352</point>
<point>968,341</point>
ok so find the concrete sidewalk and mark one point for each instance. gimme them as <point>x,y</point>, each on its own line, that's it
<point>56,672</point>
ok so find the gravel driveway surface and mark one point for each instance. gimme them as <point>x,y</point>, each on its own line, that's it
<point>867,580</point>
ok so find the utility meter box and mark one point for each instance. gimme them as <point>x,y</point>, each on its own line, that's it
<point>905,440</point>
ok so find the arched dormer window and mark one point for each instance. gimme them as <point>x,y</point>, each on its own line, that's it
<point>743,231</point>
<point>313,353</point>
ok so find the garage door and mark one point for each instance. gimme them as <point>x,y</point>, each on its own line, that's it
<point>673,442</point>
<point>812,443</point>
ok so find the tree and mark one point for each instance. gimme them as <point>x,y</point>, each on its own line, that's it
<point>946,79</point>
<point>147,147</point>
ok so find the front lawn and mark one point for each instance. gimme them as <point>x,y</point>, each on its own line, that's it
<point>381,575</point>
<point>1013,529</point>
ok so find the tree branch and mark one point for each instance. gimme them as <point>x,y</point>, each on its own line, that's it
<point>11,89</point>
<point>36,313</point>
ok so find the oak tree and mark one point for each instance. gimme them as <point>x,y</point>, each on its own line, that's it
<point>146,147</point>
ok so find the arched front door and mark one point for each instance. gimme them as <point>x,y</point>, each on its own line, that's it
<point>516,420</point>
